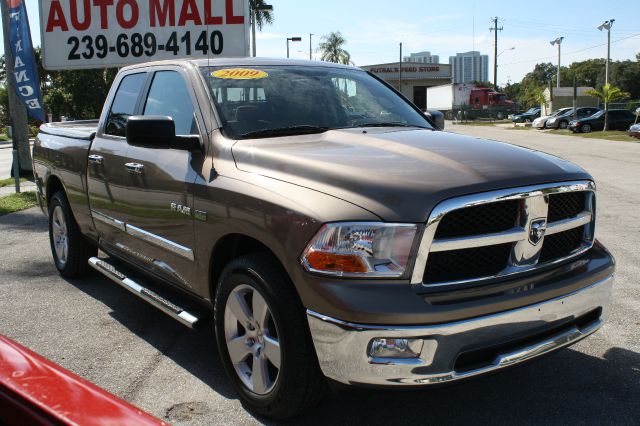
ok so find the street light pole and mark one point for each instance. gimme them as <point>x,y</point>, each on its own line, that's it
<point>496,64</point>
<point>558,41</point>
<point>254,15</point>
<point>292,39</point>
<point>310,47</point>
<point>606,25</point>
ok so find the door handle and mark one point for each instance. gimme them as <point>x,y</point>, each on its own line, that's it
<point>96,159</point>
<point>135,167</point>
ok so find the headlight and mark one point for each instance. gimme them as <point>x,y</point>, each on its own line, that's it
<point>360,249</point>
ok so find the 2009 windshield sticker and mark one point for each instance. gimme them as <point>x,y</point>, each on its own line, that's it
<point>239,74</point>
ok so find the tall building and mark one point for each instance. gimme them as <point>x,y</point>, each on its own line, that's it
<point>469,66</point>
<point>422,58</point>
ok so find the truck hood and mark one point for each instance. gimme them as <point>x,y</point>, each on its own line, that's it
<point>399,174</point>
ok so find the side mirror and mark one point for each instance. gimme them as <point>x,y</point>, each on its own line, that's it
<point>436,118</point>
<point>159,132</point>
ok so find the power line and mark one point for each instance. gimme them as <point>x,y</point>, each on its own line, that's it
<point>572,52</point>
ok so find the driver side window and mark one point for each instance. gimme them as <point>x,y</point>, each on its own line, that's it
<point>169,96</point>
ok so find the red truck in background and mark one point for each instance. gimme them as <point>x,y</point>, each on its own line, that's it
<point>469,101</point>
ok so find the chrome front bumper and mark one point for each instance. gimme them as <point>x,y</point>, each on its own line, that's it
<point>343,348</point>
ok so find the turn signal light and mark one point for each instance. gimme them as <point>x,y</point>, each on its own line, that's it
<point>336,262</point>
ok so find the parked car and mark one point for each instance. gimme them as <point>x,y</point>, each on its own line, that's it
<point>619,119</point>
<point>540,122</point>
<point>527,117</point>
<point>561,121</point>
<point>367,247</point>
<point>634,131</point>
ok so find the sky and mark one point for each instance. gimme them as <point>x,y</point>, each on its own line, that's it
<point>374,28</point>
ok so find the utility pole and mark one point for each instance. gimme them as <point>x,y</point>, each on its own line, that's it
<point>558,41</point>
<point>310,47</point>
<point>20,129</point>
<point>400,78</point>
<point>495,29</point>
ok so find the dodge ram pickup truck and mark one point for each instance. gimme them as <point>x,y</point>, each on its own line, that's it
<point>329,231</point>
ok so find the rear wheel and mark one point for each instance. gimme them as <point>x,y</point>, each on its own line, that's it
<point>263,339</point>
<point>500,115</point>
<point>586,128</point>
<point>71,251</point>
<point>448,115</point>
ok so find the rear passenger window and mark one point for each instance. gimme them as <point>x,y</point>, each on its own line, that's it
<point>169,96</point>
<point>124,103</point>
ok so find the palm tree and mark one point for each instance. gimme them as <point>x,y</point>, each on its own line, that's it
<point>332,48</point>
<point>608,94</point>
<point>263,17</point>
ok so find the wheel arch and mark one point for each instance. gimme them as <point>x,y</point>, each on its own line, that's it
<point>230,247</point>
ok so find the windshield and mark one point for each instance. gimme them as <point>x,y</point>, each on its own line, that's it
<point>265,101</point>
<point>559,112</point>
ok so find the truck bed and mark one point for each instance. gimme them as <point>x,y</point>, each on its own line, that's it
<point>84,129</point>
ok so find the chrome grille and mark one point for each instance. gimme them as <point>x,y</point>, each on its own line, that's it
<point>499,233</point>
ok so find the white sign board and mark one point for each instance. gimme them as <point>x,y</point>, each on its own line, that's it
<point>112,33</point>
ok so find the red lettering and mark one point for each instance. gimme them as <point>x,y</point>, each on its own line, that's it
<point>162,12</point>
<point>231,18</point>
<point>104,18</point>
<point>209,19</point>
<point>134,14</point>
<point>84,25</point>
<point>56,17</point>
<point>189,12</point>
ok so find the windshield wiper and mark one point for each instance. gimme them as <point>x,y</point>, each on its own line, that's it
<point>386,124</point>
<point>284,131</point>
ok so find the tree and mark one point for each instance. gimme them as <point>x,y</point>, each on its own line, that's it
<point>332,49</point>
<point>608,94</point>
<point>263,17</point>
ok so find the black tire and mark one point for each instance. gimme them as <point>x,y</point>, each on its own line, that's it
<point>299,384</point>
<point>500,115</point>
<point>527,120</point>
<point>585,128</point>
<point>74,264</point>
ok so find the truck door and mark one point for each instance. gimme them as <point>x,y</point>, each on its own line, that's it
<point>160,184</point>
<point>107,177</point>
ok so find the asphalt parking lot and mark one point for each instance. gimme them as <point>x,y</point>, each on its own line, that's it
<point>97,330</point>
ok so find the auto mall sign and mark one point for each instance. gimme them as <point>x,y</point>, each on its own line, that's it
<point>113,33</point>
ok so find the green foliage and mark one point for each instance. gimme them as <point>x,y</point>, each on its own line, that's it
<point>263,17</point>
<point>332,49</point>
<point>589,73</point>
<point>608,94</point>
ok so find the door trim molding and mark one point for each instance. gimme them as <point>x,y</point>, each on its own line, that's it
<point>161,242</point>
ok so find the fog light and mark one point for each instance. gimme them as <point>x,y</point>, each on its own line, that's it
<point>395,348</point>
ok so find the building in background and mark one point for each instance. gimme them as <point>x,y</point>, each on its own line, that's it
<point>469,67</point>
<point>422,58</point>
<point>416,77</point>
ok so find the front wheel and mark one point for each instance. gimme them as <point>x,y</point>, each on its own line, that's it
<point>586,128</point>
<point>263,339</point>
<point>71,251</point>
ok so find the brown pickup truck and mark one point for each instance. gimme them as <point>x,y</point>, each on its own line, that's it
<point>326,226</point>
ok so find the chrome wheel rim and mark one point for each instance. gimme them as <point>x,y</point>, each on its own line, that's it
<point>252,339</point>
<point>59,235</point>
<point>586,128</point>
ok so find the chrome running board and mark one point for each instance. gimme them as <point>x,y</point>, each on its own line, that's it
<point>169,308</point>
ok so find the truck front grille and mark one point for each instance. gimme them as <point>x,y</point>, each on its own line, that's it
<point>487,236</point>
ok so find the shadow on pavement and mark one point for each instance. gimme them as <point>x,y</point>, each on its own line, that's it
<point>566,387</point>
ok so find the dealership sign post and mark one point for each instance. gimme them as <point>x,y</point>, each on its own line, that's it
<point>112,33</point>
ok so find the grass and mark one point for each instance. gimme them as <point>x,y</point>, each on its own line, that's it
<point>16,202</point>
<point>9,182</point>
<point>612,135</point>
<point>3,137</point>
